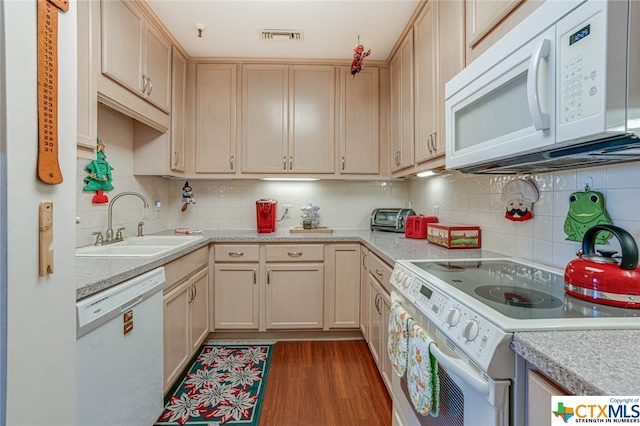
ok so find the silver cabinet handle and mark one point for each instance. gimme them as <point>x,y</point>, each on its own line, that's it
<point>176,158</point>
<point>255,276</point>
<point>195,290</point>
<point>268,276</point>
<point>236,254</point>
<point>190,294</point>
<point>434,145</point>
<point>290,163</point>
<point>233,159</point>
<point>343,163</point>
<point>284,163</point>
<point>150,88</point>
<point>144,83</point>
<point>295,253</point>
<point>364,261</point>
<point>379,272</point>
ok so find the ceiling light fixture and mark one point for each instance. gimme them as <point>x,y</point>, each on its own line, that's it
<point>200,28</point>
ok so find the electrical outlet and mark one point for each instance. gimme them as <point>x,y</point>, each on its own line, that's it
<point>287,208</point>
<point>436,210</point>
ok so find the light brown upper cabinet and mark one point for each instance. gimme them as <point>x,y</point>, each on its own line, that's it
<point>288,119</point>
<point>178,110</point>
<point>216,110</point>
<point>437,38</point>
<point>489,20</point>
<point>402,112</point>
<point>359,122</point>
<point>135,53</point>
<point>426,84</point>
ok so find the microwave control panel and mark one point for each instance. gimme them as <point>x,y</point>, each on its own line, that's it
<point>581,70</point>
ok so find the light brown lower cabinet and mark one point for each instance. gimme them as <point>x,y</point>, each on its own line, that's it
<point>294,296</point>
<point>185,323</point>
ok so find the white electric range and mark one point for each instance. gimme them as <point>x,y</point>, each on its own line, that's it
<point>471,308</point>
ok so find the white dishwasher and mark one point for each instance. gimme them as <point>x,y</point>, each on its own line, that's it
<point>119,354</point>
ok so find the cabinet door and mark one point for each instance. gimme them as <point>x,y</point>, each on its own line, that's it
<point>385,363</point>
<point>451,56</point>
<point>312,117</point>
<point>426,82</point>
<point>402,155</point>
<point>236,296</point>
<point>216,89</point>
<point>364,293</point>
<point>483,16</point>
<point>264,118</point>
<point>295,296</point>
<point>359,122</point>
<point>175,333</point>
<point>122,35</point>
<point>539,392</point>
<point>178,110</point>
<point>199,308</point>
<point>343,286</point>
<point>157,54</point>
<point>375,320</point>
<point>88,41</point>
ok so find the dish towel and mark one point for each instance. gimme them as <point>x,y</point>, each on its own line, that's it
<point>422,372</point>
<point>398,340</point>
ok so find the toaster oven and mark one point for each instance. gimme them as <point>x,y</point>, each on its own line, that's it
<point>390,219</point>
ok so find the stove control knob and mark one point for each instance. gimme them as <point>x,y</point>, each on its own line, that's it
<point>405,282</point>
<point>471,330</point>
<point>453,317</point>
<point>399,275</point>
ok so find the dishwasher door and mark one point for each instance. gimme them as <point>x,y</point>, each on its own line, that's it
<point>119,354</point>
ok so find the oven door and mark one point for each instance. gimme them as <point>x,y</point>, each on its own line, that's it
<point>466,394</point>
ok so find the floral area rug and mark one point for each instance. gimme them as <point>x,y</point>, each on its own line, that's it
<point>224,386</point>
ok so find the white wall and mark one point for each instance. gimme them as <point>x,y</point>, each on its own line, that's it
<point>41,310</point>
<point>476,200</point>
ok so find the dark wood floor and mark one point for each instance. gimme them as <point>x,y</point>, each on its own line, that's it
<point>324,383</point>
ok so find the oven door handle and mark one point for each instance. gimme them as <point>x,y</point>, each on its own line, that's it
<point>460,369</point>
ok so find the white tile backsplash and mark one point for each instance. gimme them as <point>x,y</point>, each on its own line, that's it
<point>541,239</point>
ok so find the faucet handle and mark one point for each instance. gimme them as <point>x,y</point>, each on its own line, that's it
<point>119,234</point>
<point>99,239</point>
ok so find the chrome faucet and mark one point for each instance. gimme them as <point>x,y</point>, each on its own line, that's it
<point>109,234</point>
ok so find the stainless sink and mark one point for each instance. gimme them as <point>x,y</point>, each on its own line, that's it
<point>147,246</point>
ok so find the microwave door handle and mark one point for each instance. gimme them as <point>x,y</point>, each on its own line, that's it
<point>540,119</point>
<point>460,369</point>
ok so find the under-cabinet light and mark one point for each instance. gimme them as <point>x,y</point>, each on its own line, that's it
<point>289,179</point>
<point>428,173</point>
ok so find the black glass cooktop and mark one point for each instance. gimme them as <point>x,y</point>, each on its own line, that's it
<point>517,290</point>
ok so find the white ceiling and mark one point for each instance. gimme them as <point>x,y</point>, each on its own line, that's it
<point>331,27</point>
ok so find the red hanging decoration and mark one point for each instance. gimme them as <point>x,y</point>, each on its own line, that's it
<point>358,58</point>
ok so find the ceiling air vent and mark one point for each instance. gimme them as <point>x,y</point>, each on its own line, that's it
<point>281,35</point>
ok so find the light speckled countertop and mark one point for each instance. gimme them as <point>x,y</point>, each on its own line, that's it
<point>586,362</point>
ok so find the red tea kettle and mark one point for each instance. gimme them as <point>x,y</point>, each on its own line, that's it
<point>602,278</point>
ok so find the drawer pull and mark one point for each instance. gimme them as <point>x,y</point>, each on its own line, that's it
<point>255,273</point>
<point>294,253</point>
<point>379,272</point>
<point>236,253</point>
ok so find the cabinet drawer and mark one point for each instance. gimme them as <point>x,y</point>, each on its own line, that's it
<point>181,268</point>
<point>295,253</point>
<point>236,253</point>
<point>380,270</point>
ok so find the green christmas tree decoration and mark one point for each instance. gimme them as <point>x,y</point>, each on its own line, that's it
<point>99,178</point>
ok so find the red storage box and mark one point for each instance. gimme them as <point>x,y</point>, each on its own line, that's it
<point>416,226</point>
<point>453,236</point>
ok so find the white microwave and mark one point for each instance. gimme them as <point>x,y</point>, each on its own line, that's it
<point>561,90</point>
